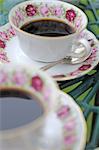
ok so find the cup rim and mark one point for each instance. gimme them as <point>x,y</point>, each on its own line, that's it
<point>32,125</point>
<point>46,37</point>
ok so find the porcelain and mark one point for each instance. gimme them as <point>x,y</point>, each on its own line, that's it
<point>31,80</point>
<point>73,123</point>
<point>10,52</point>
<point>39,86</point>
<point>67,111</point>
<point>48,49</point>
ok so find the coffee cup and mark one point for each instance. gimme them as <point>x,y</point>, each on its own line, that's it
<point>27,98</point>
<point>48,30</point>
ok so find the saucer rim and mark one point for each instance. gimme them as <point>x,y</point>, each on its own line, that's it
<point>82,119</point>
<point>88,70</point>
<point>82,144</point>
<point>65,78</point>
<point>32,72</point>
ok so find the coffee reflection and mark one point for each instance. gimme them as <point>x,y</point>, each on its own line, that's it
<point>18,108</point>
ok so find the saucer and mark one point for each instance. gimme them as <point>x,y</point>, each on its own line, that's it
<point>73,128</point>
<point>73,122</point>
<point>10,52</point>
<point>64,107</point>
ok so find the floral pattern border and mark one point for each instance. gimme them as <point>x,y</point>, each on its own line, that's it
<point>88,63</point>
<point>46,10</point>
<point>68,116</point>
<point>33,82</point>
<point>7,34</point>
<point>36,83</point>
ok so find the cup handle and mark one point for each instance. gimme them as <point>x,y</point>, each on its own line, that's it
<point>81,48</point>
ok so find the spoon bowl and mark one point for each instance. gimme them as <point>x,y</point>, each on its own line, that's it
<point>69,59</point>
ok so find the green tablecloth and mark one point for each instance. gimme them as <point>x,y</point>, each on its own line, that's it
<point>85,90</point>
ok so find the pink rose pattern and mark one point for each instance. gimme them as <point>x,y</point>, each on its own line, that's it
<point>37,83</point>
<point>3,77</point>
<point>44,10</point>
<point>69,127</point>
<point>3,57</point>
<point>70,15</point>
<point>19,15</point>
<point>19,78</point>
<point>78,22</point>
<point>64,111</point>
<point>84,67</point>
<point>31,10</point>
<point>4,37</point>
<point>46,92</point>
<point>70,139</point>
<point>88,63</point>
<point>2,44</point>
<point>22,78</point>
<point>11,32</point>
<point>74,73</point>
<point>58,11</point>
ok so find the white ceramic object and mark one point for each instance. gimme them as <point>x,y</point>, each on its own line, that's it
<point>64,115</point>
<point>69,113</point>
<point>48,49</point>
<point>40,87</point>
<point>10,52</point>
<point>29,80</point>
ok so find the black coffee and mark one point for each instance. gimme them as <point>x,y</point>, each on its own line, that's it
<point>18,108</point>
<point>51,28</point>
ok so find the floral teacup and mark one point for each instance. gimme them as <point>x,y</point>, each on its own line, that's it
<point>45,48</point>
<point>27,97</point>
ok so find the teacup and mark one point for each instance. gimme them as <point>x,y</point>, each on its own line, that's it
<point>27,97</point>
<point>66,17</point>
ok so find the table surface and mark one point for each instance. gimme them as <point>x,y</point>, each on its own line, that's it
<point>84,90</point>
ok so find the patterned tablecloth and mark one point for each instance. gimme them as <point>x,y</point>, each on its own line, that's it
<point>85,90</point>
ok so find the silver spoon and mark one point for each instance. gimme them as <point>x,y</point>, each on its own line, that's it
<point>71,60</point>
<point>67,60</point>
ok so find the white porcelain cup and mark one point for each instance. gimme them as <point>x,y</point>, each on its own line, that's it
<point>44,48</point>
<point>31,87</point>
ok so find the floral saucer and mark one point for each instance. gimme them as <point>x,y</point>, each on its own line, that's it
<point>10,52</point>
<point>73,122</point>
<point>73,125</point>
<point>42,86</point>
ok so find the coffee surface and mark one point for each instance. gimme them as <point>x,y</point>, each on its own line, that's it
<point>18,108</point>
<point>50,28</point>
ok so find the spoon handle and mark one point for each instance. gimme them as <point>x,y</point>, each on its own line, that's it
<point>48,66</point>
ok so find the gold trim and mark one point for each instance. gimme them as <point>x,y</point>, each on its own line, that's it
<point>84,138</point>
<point>12,133</point>
<point>73,77</point>
<point>82,73</point>
<point>42,37</point>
